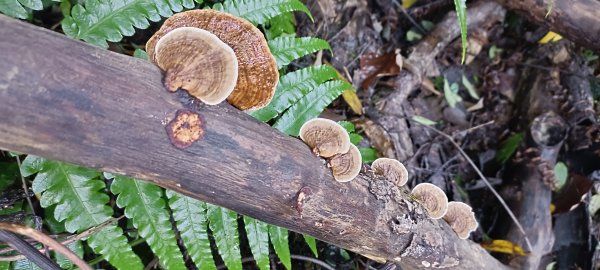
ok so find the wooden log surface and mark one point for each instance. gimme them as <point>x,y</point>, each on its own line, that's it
<point>576,20</point>
<point>66,100</point>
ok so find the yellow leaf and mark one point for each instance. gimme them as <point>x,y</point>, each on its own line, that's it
<point>550,37</point>
<point>408,3</point>
<point>552,208</point>
<point>352,99</point>
<point>504,246</point>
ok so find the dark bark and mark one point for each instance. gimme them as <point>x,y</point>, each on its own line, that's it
<point>576,20</point>
<point>65,100</point>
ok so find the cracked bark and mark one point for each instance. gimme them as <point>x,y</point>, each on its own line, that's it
<point>69,101</point>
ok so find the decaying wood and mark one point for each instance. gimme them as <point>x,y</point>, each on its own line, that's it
<point>65,100</point>
<point>576,20</point>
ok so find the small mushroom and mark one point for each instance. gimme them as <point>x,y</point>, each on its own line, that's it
<point>325,137</point>
<point>392,169</point>
<point>346,166</point>
<point>257,69</point>
<point>461,218</point>
<point>432,198</point>
<point>199,62</point>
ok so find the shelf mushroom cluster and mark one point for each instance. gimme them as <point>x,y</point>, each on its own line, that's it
<point>329,140</point>
<point>215,56</point>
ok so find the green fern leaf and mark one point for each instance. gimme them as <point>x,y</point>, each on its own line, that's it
<point>461,14</point>
<point>260,11</point>
<point>287,49</point>
<point>223,224</point>
<point>258,239</point>
<point>80,202</point>
<point>312,244</point>
<point>292,87</point>
<point>17,9</point>
<point>144,205</point>
<point>190,216</point>
<point>310,106</point>
<point>279,239</point>
<point>65,263</point>
<point>282,24</point>
<point>102,20</point>
<point>25,265</point>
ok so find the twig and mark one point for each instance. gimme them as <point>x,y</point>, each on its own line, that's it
<point>46,240</point>
<point>487,183</point>
<point>31,252</point>
<point>293,256</point>
<point>25,189</point>
<point>64,243</point>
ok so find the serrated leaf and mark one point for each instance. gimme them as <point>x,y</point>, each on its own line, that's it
<point>279,239</point>
<point>258,239</point>
<point>312,244</point>
<point>190,216</point>
<point>368,154</point>
<point>14,8</point>
<point>287,49</point>
<point>310,106</point>
<point>80,202</point>
<point>461,14</point>
<point>260,11</point>
<point>65,263</point>
<point>223,224</point>
<point>292,87</point>
<point>509,147</point>
<point>144,205</point>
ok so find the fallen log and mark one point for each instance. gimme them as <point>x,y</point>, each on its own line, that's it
<point>66,100</point>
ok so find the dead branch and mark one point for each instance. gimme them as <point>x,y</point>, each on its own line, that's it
<point>69,101</point>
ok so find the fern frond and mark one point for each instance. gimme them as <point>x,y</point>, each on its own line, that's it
<point>292,87</point>
<point>223,224</point>
<point>260,11</point>
<point>80,202</point>
<point>287,49</point>
<point>144,205</point>
<point>17,9</point>
<point>279,239</point>
<point>24,264</point>
<point>310,106</point>
<point>258,239</point>
<point>190,216</point>
<point>282,24</point>
<point>102,20</point>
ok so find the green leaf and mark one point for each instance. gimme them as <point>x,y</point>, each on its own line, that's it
<point>258,239</point>
<point>141,54</point>
<point>4,265</point>
<point>9,171</point>
<point>260,11</point>
<point>65,263</point>
<point>223,224</point>
<point>368,154</point>
<point>287,49</point>
<point>310,106</point>
<point>561,172</point>
<point>423,121</point>
<point>282,24</point>
<point>312,244</point>
<point>80,201</point>
<point>24,265</point>
<point>292,87</point>
<point>190,216</point>
<point>451,93</point>
<point>279,239</point>
<point>355,138</point>
<point>101,20</point>
<point>470,88</point>
<point>594,205</point>
<point>509,147</point>
<point>16,9</point>
<point>348,126</point>
<point>144,205</point>
<point>461,13</point>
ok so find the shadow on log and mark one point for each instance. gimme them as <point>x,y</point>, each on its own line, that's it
<point>65,100</point>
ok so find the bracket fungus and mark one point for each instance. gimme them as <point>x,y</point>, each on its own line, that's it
<point>325,137</point>
<point>432,198</point>
<point>257,73</point>
<point>461,218</point>
<point>392,169</point>
<point>346,166</point>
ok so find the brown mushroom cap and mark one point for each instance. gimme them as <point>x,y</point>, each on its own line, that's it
<point>346,166</point>
<point>325,137</point>
<point>392,169</point>
<point>432,198</point>
<point>257,68</point>
<point>461,218</point>
<point>199,62</point>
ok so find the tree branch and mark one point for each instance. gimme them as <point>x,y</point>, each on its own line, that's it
<point>69,101</point>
